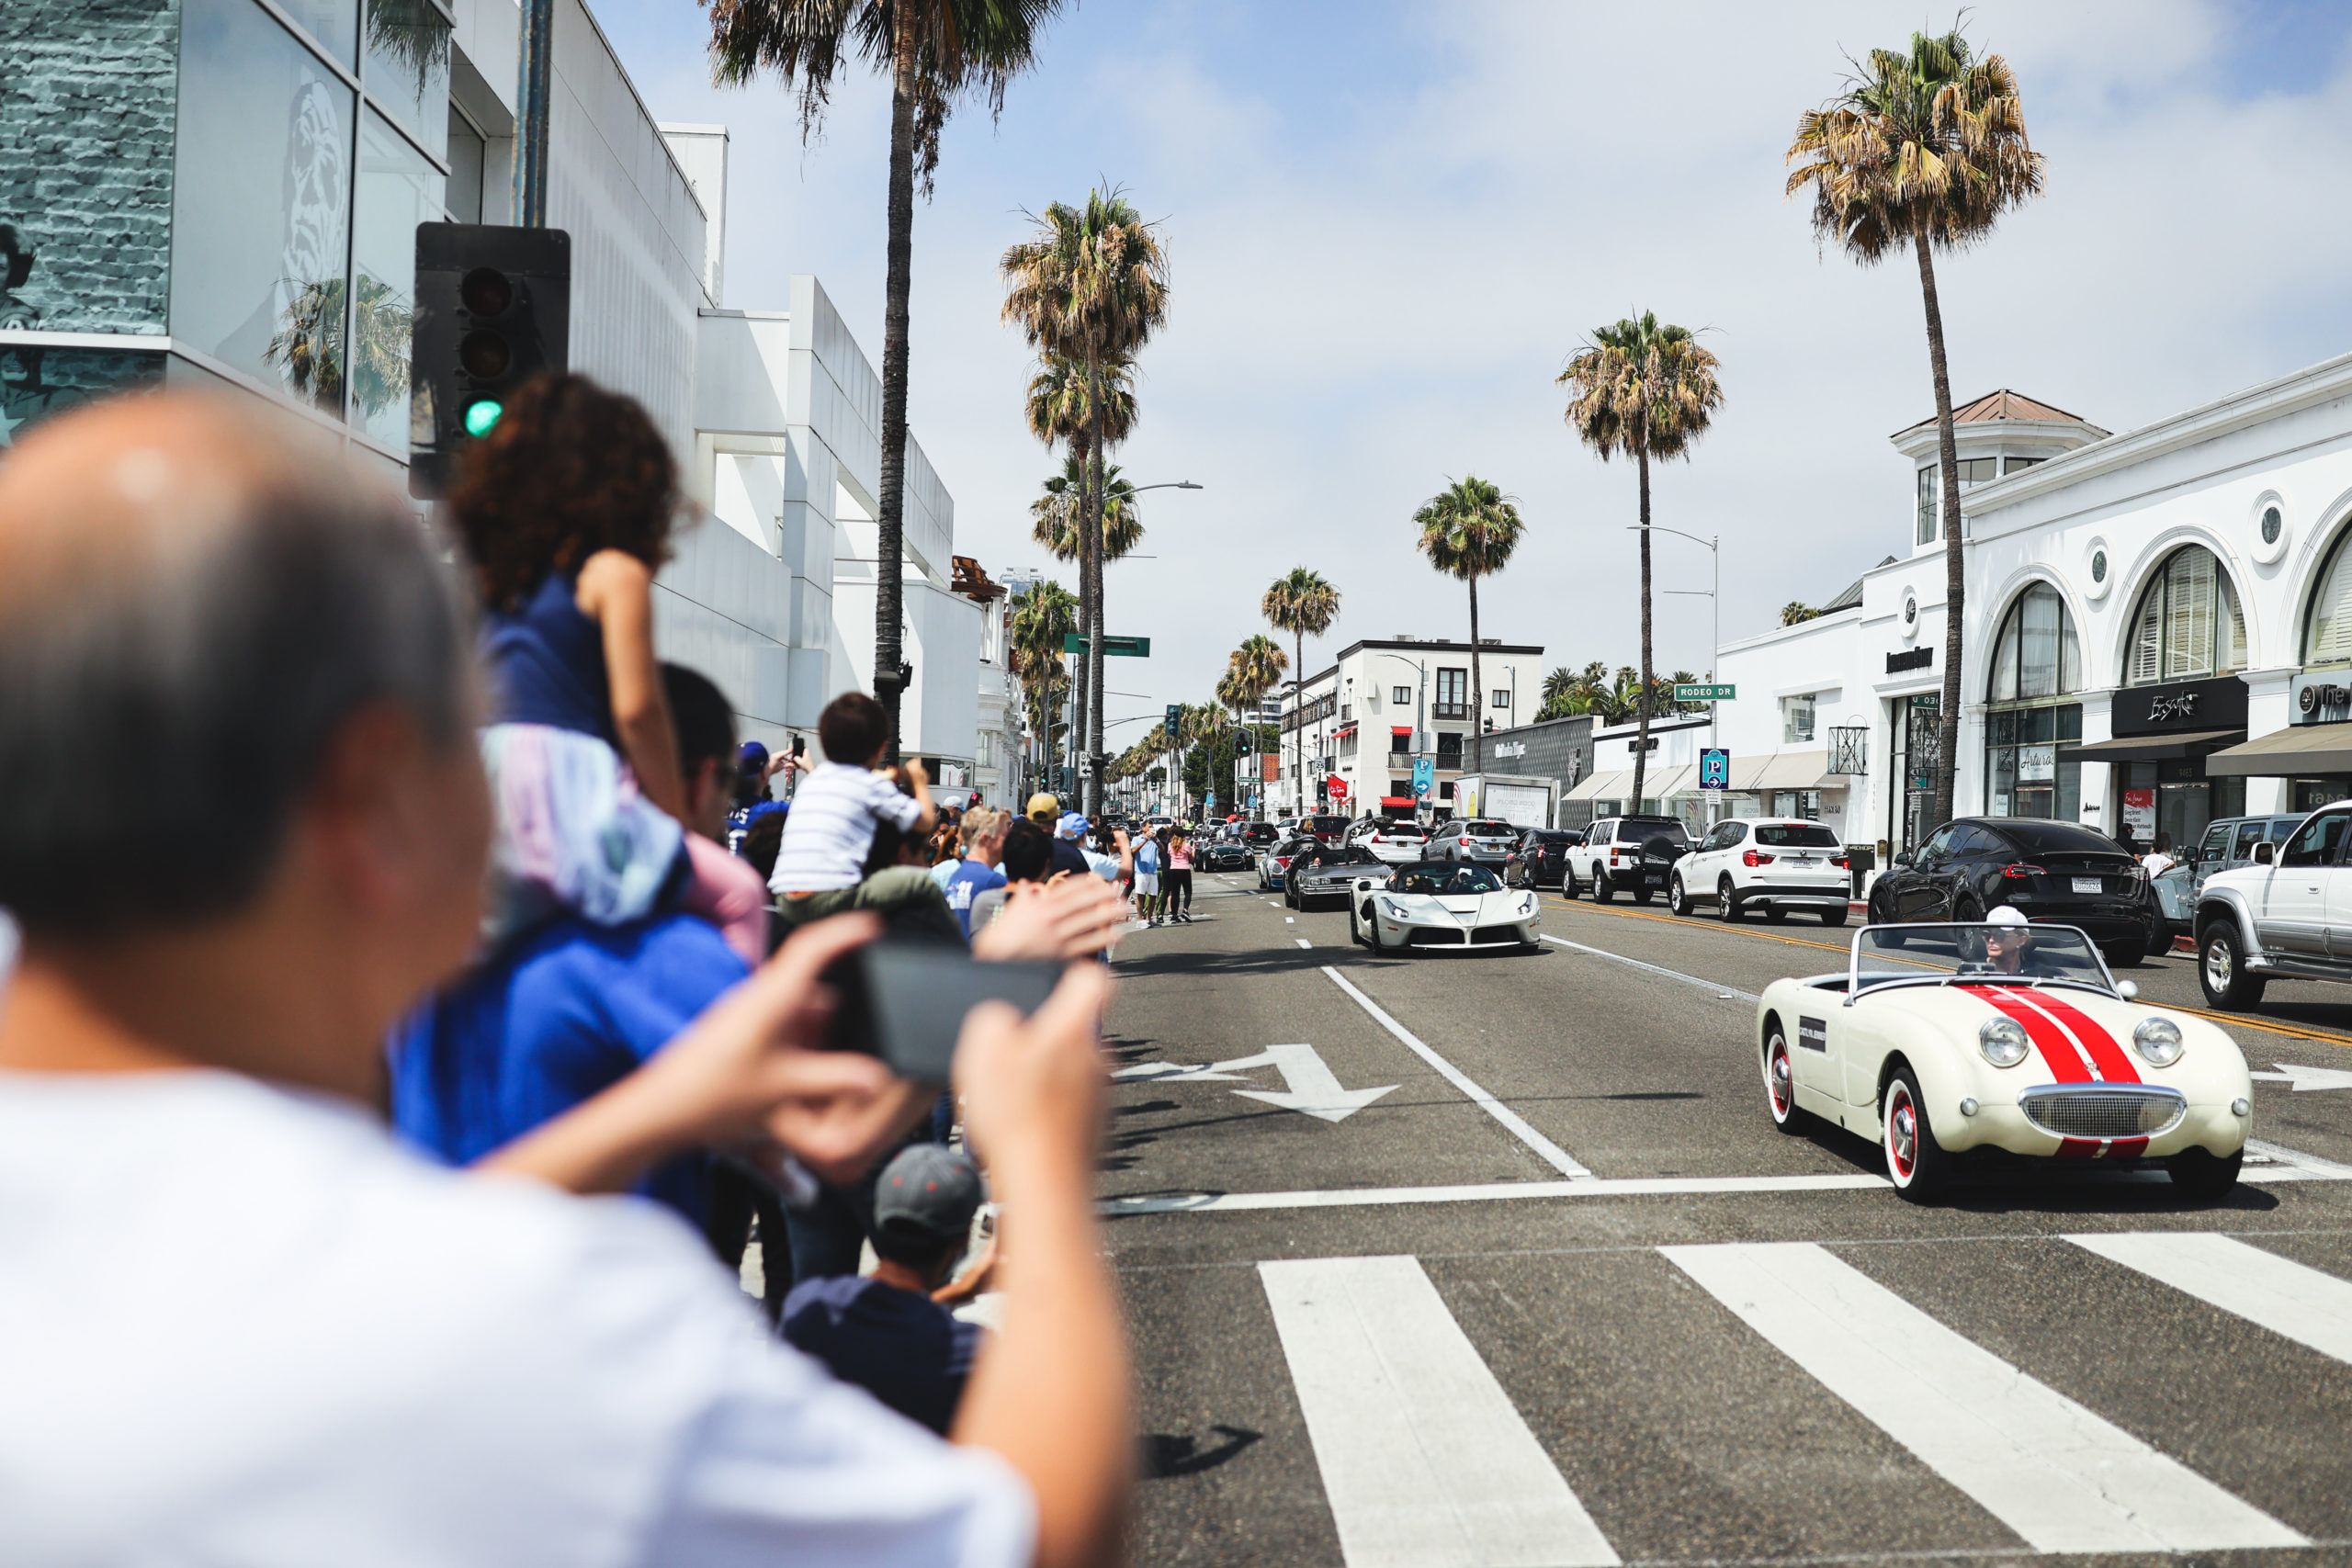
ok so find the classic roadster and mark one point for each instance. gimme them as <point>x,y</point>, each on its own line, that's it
<point>1952,1044</point>
<point>1452,905</point>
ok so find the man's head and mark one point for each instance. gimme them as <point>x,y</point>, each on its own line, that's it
<point>1043,809</point>
<point>981,835</point>
<point>1071,827</point>
<point>751,773</point>
<point>213,589</point>
<point>924,1204</point>
<point>1028,852</point>
<point>853,730</point>
<point>706,746</point>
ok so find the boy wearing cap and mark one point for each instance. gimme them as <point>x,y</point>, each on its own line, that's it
<point>882,1331</point>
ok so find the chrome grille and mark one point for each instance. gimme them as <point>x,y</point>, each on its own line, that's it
<point>2103,1111</point>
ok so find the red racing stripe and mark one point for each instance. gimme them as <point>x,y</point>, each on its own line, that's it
<point>2113,1062</point>
<point>2058,1053</point>
<point>2078,1148</point>
<point>2127,1148</point>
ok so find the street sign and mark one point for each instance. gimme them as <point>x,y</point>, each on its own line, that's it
<point>1113,647</point>
<point>1714,767</point>
<point>1424,775</point>
<point>1701,692</point>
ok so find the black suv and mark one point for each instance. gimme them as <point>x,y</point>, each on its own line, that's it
<point>1542,857</point>
<point>2059,871</point>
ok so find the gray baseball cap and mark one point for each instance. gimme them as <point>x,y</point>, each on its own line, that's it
<point>928,1189</point>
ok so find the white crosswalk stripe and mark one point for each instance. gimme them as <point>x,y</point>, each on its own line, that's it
<point>2299,1303</point>
<point>1426,1463</point>
<point>2060,1476</point>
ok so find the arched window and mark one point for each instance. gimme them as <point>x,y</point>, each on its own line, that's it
<point>2187,624</point>
<point>2037,665</point>
<point>2327,626</point>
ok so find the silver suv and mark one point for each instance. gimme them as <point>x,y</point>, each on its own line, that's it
<point>1480,839</point>
<point>2287,914</point>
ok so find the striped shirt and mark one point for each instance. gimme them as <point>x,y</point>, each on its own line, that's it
<point>830,830</point>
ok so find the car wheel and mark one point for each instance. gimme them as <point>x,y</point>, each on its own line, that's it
<point>2124,955</point>
<point>1728,903</point>
<point>1833,917</point>
<point>2202,1176</point>
<point>2221,971</point>
<point>1916,1163</point>
<point>1967,911</point>
<point>1780,1082</point>
<point>1601,892</point>
<point>1569,887</point>
<point>1355,928</point>
<point>1677,897</point>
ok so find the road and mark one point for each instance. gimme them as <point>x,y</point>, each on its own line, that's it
<point>1472,1259</point>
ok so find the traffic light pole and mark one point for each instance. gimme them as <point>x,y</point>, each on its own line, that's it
<point>534,87</point>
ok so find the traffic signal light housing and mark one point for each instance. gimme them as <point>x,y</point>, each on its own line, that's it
<point>493,308</point>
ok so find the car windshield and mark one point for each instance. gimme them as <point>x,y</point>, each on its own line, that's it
<point>1649,829</point>
<point>1324,824</point>
<point>1445,879</point>
<point>1401,830</point>
<point>1795,836</point>
<point>1491,829</point>
<point>2056,838</point>
<point>1977,954</point>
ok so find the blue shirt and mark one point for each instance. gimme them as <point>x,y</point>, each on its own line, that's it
<point>966,881</point>
<point>1147,858</point>
<point>560,1017</point>
<point>547,662</point>
<point>904,1349</point>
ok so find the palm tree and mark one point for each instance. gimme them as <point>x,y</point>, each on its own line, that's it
<point>936,54</point>
<point>1059,412</point>
<point>1468,530</point>
<point>1303,605</point>
<point>1037,620</point>
<point>1796,612</point>
<point>1925,148</point>
<point>1088,286</point>
<point>1642,390</point>
<point>1251,671</point>
<point>1060,509</point>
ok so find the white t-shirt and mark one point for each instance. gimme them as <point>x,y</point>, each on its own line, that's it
<point>240,1324</point>
<point>830,830</point>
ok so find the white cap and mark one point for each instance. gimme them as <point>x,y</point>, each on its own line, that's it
<point>2006,915</point>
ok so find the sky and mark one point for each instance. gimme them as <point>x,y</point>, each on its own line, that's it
<point>1390,224</point>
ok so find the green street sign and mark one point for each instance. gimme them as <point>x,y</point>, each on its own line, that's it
<point>1113,647</point>
<point>1705,694</point>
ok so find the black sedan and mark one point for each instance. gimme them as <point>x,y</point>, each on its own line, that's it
<point>2061,873</point>
<point>1540,858</point>
<point>1228,855</point>
<point>1326,870</point>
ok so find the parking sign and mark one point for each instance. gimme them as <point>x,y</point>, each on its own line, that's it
<point>1714,767</point>
<point>1424,775</point>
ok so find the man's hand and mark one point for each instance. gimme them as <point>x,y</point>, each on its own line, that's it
<point>1031,1089</point>
<point>916,776</point>
<point>1067,918</point>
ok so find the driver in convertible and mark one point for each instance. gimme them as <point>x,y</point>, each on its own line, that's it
<point>2008,946</point>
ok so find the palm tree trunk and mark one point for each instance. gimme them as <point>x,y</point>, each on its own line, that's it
<point>1298,712</point>
<point>890,508</point>
<point>1948,721</point>
<point>1477,692</point>
<point>1091,523</point>
<point>1641,740</point>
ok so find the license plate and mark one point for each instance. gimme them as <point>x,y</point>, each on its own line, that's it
<point>2088,885</point>
<point>1655,878</point>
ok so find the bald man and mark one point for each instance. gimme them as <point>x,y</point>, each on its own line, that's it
<point>237,1322</point>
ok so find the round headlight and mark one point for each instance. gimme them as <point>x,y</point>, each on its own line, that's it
<point>2003,1040</point>
<point>2158,1041</point>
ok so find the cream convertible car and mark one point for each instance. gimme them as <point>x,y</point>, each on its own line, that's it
<point>1949,1042</point>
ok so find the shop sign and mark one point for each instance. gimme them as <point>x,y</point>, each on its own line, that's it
<point>2217,703</point>
<point>1911,659</point>
<point>2139,815</point>
<point>2321,699</point>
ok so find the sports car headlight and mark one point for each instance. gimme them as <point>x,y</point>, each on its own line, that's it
<point>1396,910</point>
<point>1527,903</point>
<point>2158,1041</point>
<point>2003,1042</point>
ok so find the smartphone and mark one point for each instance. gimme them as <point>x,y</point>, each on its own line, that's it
<point>905,1001</point>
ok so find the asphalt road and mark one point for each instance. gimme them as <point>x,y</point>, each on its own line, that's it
<point>1541,1285</point>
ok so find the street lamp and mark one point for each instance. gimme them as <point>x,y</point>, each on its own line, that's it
<point>1088,645</point>
<point>1421,691</point>
<point>1714,548</point>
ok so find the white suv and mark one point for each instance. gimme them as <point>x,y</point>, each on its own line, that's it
<point>1624,854</point>
<point>1396,843</point>
<point>1773,864</point>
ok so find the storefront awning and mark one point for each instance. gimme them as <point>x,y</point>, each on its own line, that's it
<point>1398,803</point>
<point>1785,770</point>
<point>2151,748</point>
<point>1602,786</point>
<point>2287,753</point>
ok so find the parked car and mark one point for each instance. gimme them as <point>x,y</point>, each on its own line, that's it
<point>1393,842</point>
<point>1626,854</point>
<point>1257,835</point>
<point>1778,864</point>
<point>2061,873</point>
<point>1228,855</point>
<point>2286,915</point>
<point>2227,843</point>
<point>1273,860</point>
<point>1325,828</point>
<point>1453,905</point>
<point>1324,871</point>
<point>1945,1041</point>
<point>1486,839</point>
<point>1541,856</point>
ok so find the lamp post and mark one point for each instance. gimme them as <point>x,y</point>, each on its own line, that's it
<point>1716,607</point>
<point>1093,784</point>
<point>1420,691</point>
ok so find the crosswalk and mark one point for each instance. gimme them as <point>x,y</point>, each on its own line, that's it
<point>1425,1461</point>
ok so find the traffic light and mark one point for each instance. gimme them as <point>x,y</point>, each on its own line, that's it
<point>1175,721</point>
<point>493,308</point>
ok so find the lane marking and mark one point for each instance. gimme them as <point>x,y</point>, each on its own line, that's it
<point>2058,1476</point>
<point>1723,993</point>
<point>1547,1151</point>
<point>2288,1297</point>
<point>1487,1192</point>
<point>2299,1166</point>
<point>1302,942</point>
<point>1426,1463</point>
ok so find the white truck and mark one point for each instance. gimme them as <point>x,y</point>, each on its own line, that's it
<point>1515,798</point>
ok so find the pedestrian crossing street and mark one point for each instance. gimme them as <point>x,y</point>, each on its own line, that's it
<point>1425,1461</point>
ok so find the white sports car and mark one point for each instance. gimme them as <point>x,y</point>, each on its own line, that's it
<point>1951,1043</point>
<point>1445,904</point>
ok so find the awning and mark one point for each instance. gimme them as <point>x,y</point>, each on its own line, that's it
<point>2286,753</point>
<point>1398,803</point>
<point>1602,786</point>
<point>1660,783</point>
<point>1400,729</point>
<point>1785,770</point>
<point>2150,747</point>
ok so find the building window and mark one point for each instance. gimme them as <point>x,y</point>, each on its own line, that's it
<point>1796,719</point>
<point>1503,697</point>
<point>2187,624</point>
<point>466,151</point>
<point>1400,744</point>
<point>2036,663</point>
<point>2327,624</point>
<point>1401,695</point>
<point>1971,470</point>
<point>1453,693</point>
<point>1449,749</point>
<point>984,752</point>
<point>408,67</point>
<point>2012,465</point>
<point>1928,505</point>
<point>397,191</point>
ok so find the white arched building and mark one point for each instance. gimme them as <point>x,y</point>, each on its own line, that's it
<point>2157,627</point>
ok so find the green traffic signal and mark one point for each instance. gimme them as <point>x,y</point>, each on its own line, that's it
<point>482,416</point>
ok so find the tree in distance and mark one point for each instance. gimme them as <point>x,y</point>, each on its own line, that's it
<point>1305,605</point>
<point>1059,512</point>
<point>1468,531</point>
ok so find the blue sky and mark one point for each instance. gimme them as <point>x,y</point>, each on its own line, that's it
<point>1390,224</point>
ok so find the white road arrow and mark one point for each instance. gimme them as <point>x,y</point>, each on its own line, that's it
<point>2306,1078</point>
<point>1309,1087</point>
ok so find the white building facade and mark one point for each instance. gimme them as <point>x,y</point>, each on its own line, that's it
<point>1383,705</point>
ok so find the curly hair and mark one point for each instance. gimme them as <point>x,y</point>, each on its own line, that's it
<point>570,470</point>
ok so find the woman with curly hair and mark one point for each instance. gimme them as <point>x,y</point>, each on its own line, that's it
<point>566,508</point>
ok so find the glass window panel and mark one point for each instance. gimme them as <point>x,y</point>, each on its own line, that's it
<point>333,23</point>
<point>2070,651</point>
<point>1927,506</point>
<point>398,191</point>
<point>2038,613</point>
<point>408,67</point>
<point>465,170</point>
<point>2001,770</point>
<point>2005,659</point>
<point>2070,721</point>
<point>2001,726</point>
<point>2230,627</point>
<point>2189,615</point>
<point>2328,637</point>
<point>2037,725</point>
<point>261,208</point>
